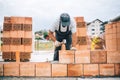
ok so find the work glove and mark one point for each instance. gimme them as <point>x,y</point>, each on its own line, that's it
<point>57,43</point>
<point>73,48</point>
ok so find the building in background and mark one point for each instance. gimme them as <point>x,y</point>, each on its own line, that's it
<point>94,28</point>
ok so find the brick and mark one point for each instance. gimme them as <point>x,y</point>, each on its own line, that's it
<point>20,48</point>
<point>7,19</point>
<point>27,69</point>
<point>113,56</point>
<point>59,70</point>
<point>82,56</point>
<point>13,48</point>
<point>75,70</point>
<point>66,56</point>
<point>5,48</point>
<point>1,69</point>
<point>118,35</point>
<point>106,69</point>
<point>43,69</point>
<point>82,40</point>
<point>13,34</point>
<point>11,69</point>
<point>6,34</point>
<point>16,27</point>
<point>91,70</point>
<point>16,41</point>
<point>27,27</point>
<point>81,32</point>
<point>6,55</point>
<point>20,34</point>
<point>117,69</point>
<point>28,34</point>
<point>6,41</point>
<point>25,55</point>
<point>98,56</point>
<point>28,48</point>
<point>118,44</point>
<point>82,47</point>
<point>114,28</point>
<point>26,41</point>
<point>81,24</point>
<point>28,20</point>
<point>79,19</point>
<point>118,27</point>
<point>7,26</point>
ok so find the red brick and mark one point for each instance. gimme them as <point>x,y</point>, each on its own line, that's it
<point>82,56</point>
<point>13,34</point>
<point>27,41</point>
<point>6,55</point>
<point>28,34</point>
<point>11,69</point>
<point>118,44</point>
<point>98,56</point>
<point>91,70</point>
<point>20,34</point>
<point>117,69</point>
<point>81,24</point>
<point>43,69</point>
<point>79,19</point>
<point>28,48</point>
<point>75,70</point>
<point>13,48</point>
<point>81,32</point>
<point>106,69</point>
<point>59,70</point>
<point>66,56</point>
<point>118,27</point>
<point>113,57</point>
<point>114,29</point>
<point>27,69</point>
<point>6,34</point>
<point>1,69</point>
<point>5,48</point>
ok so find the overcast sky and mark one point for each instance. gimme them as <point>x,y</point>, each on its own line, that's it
<point>44,12</point>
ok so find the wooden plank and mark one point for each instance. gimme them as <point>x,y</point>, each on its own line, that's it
<point>27,69</point>
<point>117,69</point>
<point>43,69</point>
<point>66,56</point>
<point>59,70</point>
<point>11,69</point>
<point>91,70</point>
<point>82,56</point>
<point>113,56</point>
<point>75,70</point>
<point>98,56</point>
<point>107,70</point>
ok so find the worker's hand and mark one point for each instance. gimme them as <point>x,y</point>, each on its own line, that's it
<point>57,43</point>
<point>73,48</point>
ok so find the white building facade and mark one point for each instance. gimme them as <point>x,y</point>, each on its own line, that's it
<point>93,28</point>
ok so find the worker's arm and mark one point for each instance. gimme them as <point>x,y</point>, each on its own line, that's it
<point>74,39</point>
<point>51,35</point>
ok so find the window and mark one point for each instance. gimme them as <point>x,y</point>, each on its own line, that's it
<point>93,33</point>
<point>93,29</point>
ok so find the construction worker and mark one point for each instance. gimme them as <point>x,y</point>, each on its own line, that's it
<point>65,29</point>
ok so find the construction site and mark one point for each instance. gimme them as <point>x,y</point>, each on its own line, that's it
<point>94,58</point>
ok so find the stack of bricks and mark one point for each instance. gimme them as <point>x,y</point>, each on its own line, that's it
<point>112,35</point>
<point>17,37</point>
<point>81,34</point>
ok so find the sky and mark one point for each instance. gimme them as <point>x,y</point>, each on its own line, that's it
<point>45,12</point>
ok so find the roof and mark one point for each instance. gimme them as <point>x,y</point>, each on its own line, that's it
<point>94,21</point>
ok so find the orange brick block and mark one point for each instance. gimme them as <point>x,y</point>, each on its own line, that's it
<point>118,44</point>
<point>28,20</point>
<point>81,32</point>
<point>79,19</point>
<point>21,48</point>
<point>91,70</point>
<point>118,27</point>
<point>75,70</point>
<point>43,69</point>
<point>82,56</point>
<point>82,47</point>
<point>98,56</point>
<point>20,34</point>
<point>11,69</point>
<point>1,69</point>
<point>28,34</point>
<point>28,48</point>
<point>14,34</point>
<point>107,70</point>
<point>27,69</point>
<point>59,70</point>
<point>113,56</point>
<point>5,48</point>
<point>66,56</point>
<point>117,69</point>
<point>6,34</point>
<point>13,48</point>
